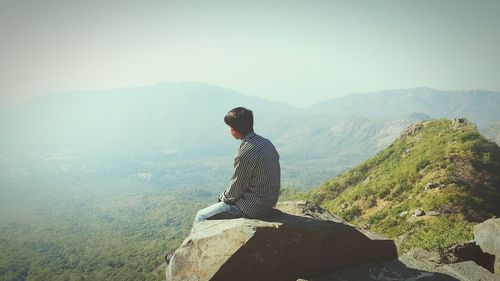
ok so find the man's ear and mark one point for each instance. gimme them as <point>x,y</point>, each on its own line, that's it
<point>235,133</point>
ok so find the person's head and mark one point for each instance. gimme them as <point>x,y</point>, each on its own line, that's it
<point>240,120</point>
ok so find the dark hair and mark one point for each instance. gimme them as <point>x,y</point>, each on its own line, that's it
<point>240,119</point>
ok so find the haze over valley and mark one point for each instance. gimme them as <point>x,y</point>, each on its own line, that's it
<point>171,135</point>
<point>112,167</point>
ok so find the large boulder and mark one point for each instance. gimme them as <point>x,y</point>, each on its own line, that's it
<point>487,237</point>
<point>304,242</point>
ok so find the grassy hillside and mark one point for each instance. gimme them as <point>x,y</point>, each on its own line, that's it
<point>444,168</point>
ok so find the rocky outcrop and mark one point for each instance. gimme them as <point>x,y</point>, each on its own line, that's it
<point>417,264</point>
<point>304,241</point>
<point>487,237</point>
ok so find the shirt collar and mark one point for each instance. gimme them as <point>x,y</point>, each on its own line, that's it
<point>249,136</point>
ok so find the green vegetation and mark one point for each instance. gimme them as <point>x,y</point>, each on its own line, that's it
<point>105,237</point>
<point>78,219</point>
<point>445,168</point>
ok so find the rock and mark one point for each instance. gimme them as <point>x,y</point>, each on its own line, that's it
<point>168,257</point>
<point>419,212</point>
<point>407,152</point>
<point>284,247</point>
<point>411,219</point>
<point>470,271</point>
<point>411,130</point>
<point>306,208</point>
<point>464,252</point>
<point>430,185</point>
<point>393,270</point>
<point>469,251</point>
<point>417,264</point>
<point>344,205</point>
<point>433,213</point>
<point>458,122</point>
<point>417,255</point>
<point>487,237</point>
<point>367,180</point>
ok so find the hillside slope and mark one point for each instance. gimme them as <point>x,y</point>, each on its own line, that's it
<point>444,168</point>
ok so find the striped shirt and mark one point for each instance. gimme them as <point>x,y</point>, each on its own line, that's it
<point>255,184</point>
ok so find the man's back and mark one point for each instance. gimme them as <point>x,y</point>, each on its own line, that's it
<point>258,155</point>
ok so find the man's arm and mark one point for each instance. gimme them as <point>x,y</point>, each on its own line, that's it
<point>243,169</point>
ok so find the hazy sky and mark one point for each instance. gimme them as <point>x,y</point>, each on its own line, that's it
<point>299,52</point>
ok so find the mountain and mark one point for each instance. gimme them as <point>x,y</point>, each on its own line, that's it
<point>163,117</point>
<point>168,132</point>
<point>427,189</point>
<point>478,106</point>
<point>169,135</point>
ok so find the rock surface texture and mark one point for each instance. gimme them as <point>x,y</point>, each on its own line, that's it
<point>487,237</point>
<point>417,264</point>
<point>300,241</point>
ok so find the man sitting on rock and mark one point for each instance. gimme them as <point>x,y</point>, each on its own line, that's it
<point>255,185</point>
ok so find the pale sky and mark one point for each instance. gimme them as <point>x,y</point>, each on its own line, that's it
<point>297,52</point>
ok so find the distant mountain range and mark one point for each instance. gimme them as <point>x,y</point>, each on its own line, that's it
<point>168,127</point>
<point>480,107</point>
<point>167,116</point>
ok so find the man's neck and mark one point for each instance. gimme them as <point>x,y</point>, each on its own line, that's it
<point>248,136</point>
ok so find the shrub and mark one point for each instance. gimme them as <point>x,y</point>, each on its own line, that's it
<point>486,159</point>
<point>376,218</point>
<point>469,135</point>
<point>422,164</point>
<point>351,213</point>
